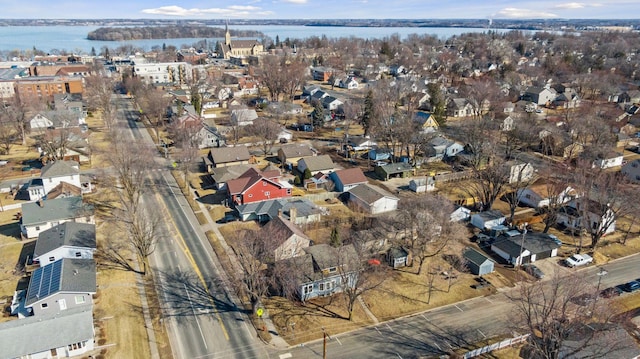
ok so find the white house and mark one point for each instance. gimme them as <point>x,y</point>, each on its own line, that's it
<point>66,240</point>
<point>54,173</point>
<point>372,199</point>
<point>608,160</point>
<point>596,217</point>
<point>243,116</point>
<point>520,171</point>
<point>539,196</point>
<point>518,248</point>
<point>44,214</point>
<point>208,137</point>
<point>488,219</point>
<point>541,96</point>
<point>460,213</point>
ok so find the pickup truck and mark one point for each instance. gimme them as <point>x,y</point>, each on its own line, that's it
<point>577,260</point>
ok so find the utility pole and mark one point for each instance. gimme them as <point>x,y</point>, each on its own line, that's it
<point>324,344</point>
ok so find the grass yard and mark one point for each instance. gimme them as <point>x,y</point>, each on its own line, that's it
<point>299,323</point>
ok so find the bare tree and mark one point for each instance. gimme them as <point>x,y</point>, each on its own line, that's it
<point>514,189</point>
<point>99,89</point>
<point>556,314</point>
<point>55,142</point>
<point>16,111</point>
<point>425,226</point>
<point>154,103</point>
<point>8,134</point>
<point>488,184</point>
<point>266,130</point>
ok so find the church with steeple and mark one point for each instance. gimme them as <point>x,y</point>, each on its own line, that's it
<point>238,48</point>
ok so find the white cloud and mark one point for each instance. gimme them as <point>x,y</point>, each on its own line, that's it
<point>295,1</point>
<point>571,5</point>
<point>230,11</point>
<point>515,13</point>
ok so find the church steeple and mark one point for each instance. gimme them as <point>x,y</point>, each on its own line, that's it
<point>227,35</point>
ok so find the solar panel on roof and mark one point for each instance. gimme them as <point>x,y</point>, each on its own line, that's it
<point>46,281</point>
<point>56,274</point>
<point>35,284</point>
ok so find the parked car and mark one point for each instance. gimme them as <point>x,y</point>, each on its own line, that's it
<point>533,270</point>
<point>610,292</point>
<point>631,286</point>
<point>577,260</point>
<point>229,217</point>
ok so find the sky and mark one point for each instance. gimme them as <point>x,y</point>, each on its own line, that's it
<point>321,9</point>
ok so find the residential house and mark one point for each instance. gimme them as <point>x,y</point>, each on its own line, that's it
<point>541,96</point>
<point>332,103</point>
<point>478,263</point>
<point>221,175</point>
<point>63,190</point>
<point>393,170</point>
<point>253,186</point>
<point>321,73</point>
<point>284,136</point>
<point>379,154</point>
<point>54,173</point>
<point>488,219</point>
<point>318,181</point>
<point>243,116</point>
<point>315,164</point>
<point>299,211</point>
<point>425,122</point>
<point>423,184</point>
<point>324,270</point>
<point>292,153</point>
<point>55,335</point>
<point>584,213</point>
<point>460,213</point>
<point>349,83</point>
<point>44,214</point>
<point>507,124</point>
<point>518,248</point>
<point>66,240</point>
<point>441,148</point>
<point>226,156</point>
<point>460,107</point>
<point>632,170</point>
<point>348,178</point>
<point>56,119</point>
<point>398,257</point>
<point>359,143</point>
<point>289,240</point>
<point>519,171</point>
<point>208,137</point>
<point>608,159</point>
<point>541,195</point>
<point>64,284</point>
<point>372,199</point>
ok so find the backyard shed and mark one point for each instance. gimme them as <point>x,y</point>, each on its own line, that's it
<point>478,263</point>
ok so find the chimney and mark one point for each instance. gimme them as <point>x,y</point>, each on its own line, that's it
<point>293,214</point>
<point>280,213</point>
<point>40,202</point>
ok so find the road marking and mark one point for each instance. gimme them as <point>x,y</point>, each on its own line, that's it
<point>398,355</point>
<point>195,316</point>
<point>338,340</point>
<point>185,249</point>
<point>437,346</point>
<point>488,300</point>
<point>285,356</point>
<point>460,309</point>
<point>448,344</point>
<point>378,330</point>
<point>481,333</point>
<point>425,318</point>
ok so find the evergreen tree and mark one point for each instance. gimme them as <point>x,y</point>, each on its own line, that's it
<point>196,100</point>
<point>368,112</point>
<point>307,173</point>
<point>335,240</point>
<point>93,51</point>
<point>438,104</point>
<point>278,44</point>
<point>317,116</point>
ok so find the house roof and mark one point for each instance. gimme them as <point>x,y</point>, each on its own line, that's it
<point>57,330</point>
<point>72,234</point>
<point>474,256</point>
<point>351,176</point>
<point>270,207</point>
<point>326,256</point>
<point>59,169</point>
<point>69,275</point>
<point>282,229</point>
<point>534,242</point>
<point>398,167</point>
<point>490,215</point>
<point>296,150</point>
<point>54,209</point>
<point>248,179</point>
<point>229,154</point>
<point>224,174</point>
<point>318,163</point>
<point>66,189</point>
<point>370,194</point>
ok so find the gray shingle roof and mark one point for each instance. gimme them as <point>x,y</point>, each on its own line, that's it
<point>534,242</point>
<point>50,331</point>
<point>54,209</point>
<point>369,194</point>
<point>474,256</point>
<point>59,169</point>
<point>229,154</point>
<point>318,163</point>
<point>296,150</point>
<point>326,256</point>
<point>225,174</point>
<point>70,234</point>
<point>68,275</point>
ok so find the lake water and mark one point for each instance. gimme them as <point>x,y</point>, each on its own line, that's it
<point>74,38</point>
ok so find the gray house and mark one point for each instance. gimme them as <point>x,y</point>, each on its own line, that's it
<point>66,240</point>
<point>54,335</point>
<point>44,214</point>
<point>61,285</point>
<point>478,263</point>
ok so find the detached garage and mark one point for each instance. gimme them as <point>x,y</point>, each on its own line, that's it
<point>478,263</point>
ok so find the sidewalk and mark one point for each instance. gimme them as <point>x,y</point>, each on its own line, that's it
<point>276,340</point>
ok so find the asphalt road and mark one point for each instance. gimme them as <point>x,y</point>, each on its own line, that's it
<point>439,330</point>
<point>199,311</point>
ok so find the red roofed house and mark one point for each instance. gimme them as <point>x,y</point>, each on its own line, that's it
<point>254,186</point>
